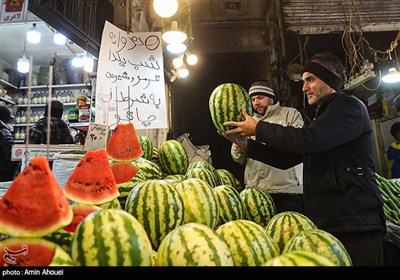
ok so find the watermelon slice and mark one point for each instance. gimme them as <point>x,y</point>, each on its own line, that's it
<point>34,204</point>
<point>123,171</point>
<point>92,180</point>
<point>32,252</point>
<point>124,144</point>
<point>80,212</point>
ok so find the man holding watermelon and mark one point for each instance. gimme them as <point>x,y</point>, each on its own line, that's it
<point>340,192</point>
<point>284,186</point>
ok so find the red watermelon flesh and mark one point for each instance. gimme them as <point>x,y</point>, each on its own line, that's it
<point>80,212</point>
<point>34,204</point>
<point>92,180</point>
<point>123,172</point>
<point>32,252</point>
<point>124,144</point>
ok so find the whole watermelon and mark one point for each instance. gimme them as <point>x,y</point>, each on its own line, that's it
<point>226,104</point>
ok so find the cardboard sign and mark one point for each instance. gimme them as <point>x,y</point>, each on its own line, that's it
<point>96,137</point>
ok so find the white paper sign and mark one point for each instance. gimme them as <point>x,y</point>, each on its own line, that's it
<point>130,79</point>
<point>96,137</point>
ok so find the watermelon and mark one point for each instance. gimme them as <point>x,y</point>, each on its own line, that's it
<point>226,103</point>
<point>230,206</point>
<point>80,212</point>
<point>147,146</point>
<point>259,206</point>
<point>320,242</point>
<point>123,171</point>
<point>111,237</point>
<point>125,188</point>
<point>158,206</point>
<point>172,157</point>
<point>203,174</point>
<point>62,238</point>
<point>205,165</point>
<point>30,251</point>
<point>154,156</point>
<point>124,144</point>
<point>299,258</point>
<point>34,204</point>
<point>226,178</point>
<point>149,169</point>
<point>285,225</point>
<point>199,201</point>
<point>193,244</point>
<point>92,181</point>
<point>113,204</point>
<point>248,242</point>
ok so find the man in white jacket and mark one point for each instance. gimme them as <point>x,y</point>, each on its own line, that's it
<point>284,186</point>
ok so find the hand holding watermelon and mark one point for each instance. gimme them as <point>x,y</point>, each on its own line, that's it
<point>245,128</point>
<point>239,140</point>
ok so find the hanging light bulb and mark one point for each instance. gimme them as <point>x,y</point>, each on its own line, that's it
<point>178,61</point>
<point>23,64</point>
<point>88,63</point>
<point>191,58</point>
<point>165,8</point>
<point>176,48</point>
<point>77,62</point>
<point>392,76</point>
<point>33,35</point>
<point>183,72</point>
<point>59,39</point>
<point>174,36</point>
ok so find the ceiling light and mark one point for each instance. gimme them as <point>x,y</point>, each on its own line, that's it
<point>191,58</point>
<point>183,72</point>
<point>59,39</point>
<point>88,63</point>
<point>392,76</point>
<point>174,36</point>
<point>77,62</point>
<point>176,48</point>
<point>165,8</point>
<point>23,64</point>
<point>33,35</point>
<point>178,61</point>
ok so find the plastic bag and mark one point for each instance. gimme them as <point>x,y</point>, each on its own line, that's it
<point>63,165</point>
<point>195,153</point>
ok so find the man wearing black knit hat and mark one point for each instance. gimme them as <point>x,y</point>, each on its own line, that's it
<point>284,186</point>
<point>340,192</point>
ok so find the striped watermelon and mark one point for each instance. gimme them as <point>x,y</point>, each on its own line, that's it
<point>320,242</point>
<point>259,206</point>
<point>113,204</point>
<point>248,242</point>
<point>147,146</point>
<point>62,238</point>
<point>300,258</point>
<point>32,252</point>
<point>125,188</point>
<point>199,201</point>
<point>229,203</point>
<point>206,165</point>
<point>203,174</point>
<point>283,226</point>
<point>111,237</point>
<point>172,157</point>
<point>193,244</point>
<point>149,169</point>
<point>227,178</point>
<point>157,205</point>
<point>154,156</point>
<point>226,104</point>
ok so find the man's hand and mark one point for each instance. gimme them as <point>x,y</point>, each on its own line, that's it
<point>245,128</point>
<point>239,140</point>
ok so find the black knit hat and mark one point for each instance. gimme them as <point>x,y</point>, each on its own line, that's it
<point>262,87</point>
<point>57,108</point>
<point>395,129</point>
<point>5,114</point>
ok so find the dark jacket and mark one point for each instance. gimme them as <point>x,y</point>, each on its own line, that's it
<point>59,132</point>
<point>7,167</point>
<point>340,190</point>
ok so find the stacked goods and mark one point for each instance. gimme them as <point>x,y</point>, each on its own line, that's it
<point>390,191</point>
<point>229,204</point>
<point>193,244</point>
<point>111,237</point>
<point>157,205</point>
<point>320,242</point>
<point>172,157</point>
<point>92,181</point>
<point>226,104</point>
<point>259,206</point>
<point>300,258</point>
<point>31,251</point>
<point>283,226</point>
<point>199,202</point>
<point>248,242</point>
<point>147,146</point>
<point>33,207</point>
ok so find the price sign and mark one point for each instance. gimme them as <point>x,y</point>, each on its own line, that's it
<point>96,137</point>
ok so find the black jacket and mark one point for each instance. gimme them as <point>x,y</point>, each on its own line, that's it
<point>340,190</point>
<point>7,167</point>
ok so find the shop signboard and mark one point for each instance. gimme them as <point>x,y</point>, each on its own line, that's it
<point>13,11</point>
<point>130,79</point>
